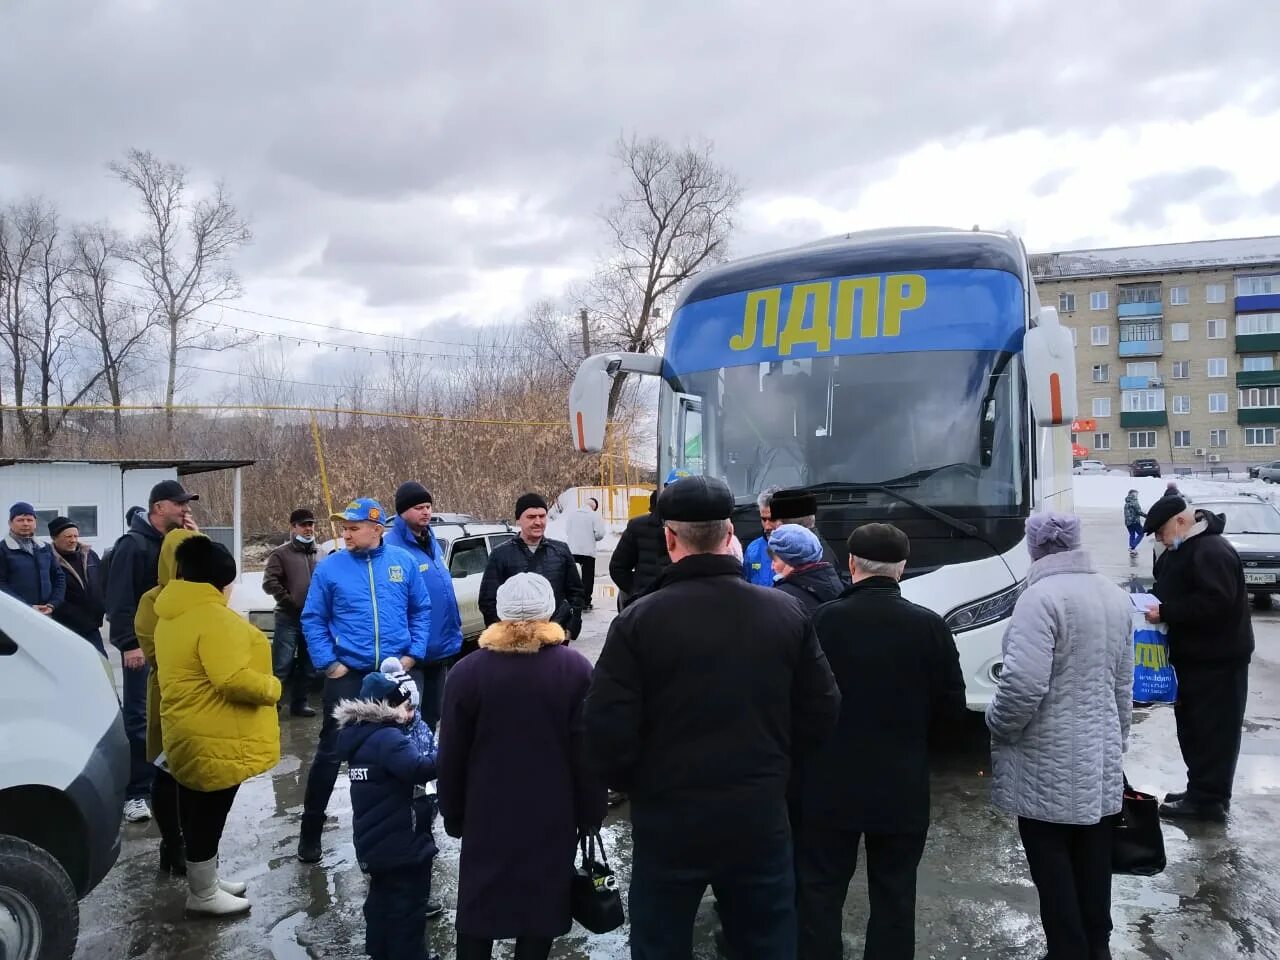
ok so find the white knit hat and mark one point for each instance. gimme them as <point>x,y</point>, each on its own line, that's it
<point>394,669</point>
<point>526,596</point>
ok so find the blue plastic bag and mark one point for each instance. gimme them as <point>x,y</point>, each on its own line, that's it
<point>1154,680</point>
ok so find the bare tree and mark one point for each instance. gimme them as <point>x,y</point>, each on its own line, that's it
<point>672,218</point>
<point>21,228</point>
<point>183,256</point>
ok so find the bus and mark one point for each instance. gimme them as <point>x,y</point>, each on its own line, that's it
<point>908,376</point>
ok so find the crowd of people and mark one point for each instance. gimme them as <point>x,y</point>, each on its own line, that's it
<point>740,721</point>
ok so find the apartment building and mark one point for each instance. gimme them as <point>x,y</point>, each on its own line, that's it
<point>1176,349</point>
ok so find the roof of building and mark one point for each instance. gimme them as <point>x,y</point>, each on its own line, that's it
<point>1157,258</point>
<point>185,468</point>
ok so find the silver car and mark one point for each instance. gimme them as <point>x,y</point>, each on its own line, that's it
<point>1270,472</point>
<point>1253,528</point>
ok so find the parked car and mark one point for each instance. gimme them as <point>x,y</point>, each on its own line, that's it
<point>1089,466</point>
<point>1269,472</point>
<point>1253,528</point>
<point>467,546</point>
<point>1144,467</point>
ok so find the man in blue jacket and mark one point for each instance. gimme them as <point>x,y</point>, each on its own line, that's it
<point>365,603</point>
<point>28,569</point>
<point>757,568</point>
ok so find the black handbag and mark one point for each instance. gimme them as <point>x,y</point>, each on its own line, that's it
<point>1137,840</point>
<point>594,898</point>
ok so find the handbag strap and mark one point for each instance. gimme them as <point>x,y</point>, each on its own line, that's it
<point>588,844</point>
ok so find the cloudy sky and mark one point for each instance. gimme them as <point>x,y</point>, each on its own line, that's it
<point>411,165</point>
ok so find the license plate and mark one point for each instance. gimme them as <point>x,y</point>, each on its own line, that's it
<point>1259,578</point>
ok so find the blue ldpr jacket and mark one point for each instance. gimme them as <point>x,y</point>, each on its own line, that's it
<point>446,620</point>
<point>365,606</point>
<point>384,765</point>
<point>757,568</point>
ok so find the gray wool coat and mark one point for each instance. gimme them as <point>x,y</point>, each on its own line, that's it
<point>1060,718</point>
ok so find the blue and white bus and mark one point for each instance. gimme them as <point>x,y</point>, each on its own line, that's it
<point>907,376</point>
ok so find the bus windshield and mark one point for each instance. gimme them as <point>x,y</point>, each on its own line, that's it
<point>943,426</point>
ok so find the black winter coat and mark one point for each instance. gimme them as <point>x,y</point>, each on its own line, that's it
<point>640,556</point>
<point>1203,598</point>
<point>552,560</point>
<point>384,765</point>
<point>706,688</point>
<point>134,569</point>
<point>899,676</point>
<point>82,608</point>
<point>812,586</point>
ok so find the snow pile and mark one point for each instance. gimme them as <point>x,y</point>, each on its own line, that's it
<point>1102,492</point>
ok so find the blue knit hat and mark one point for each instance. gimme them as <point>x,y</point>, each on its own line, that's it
<point>794,545</point>
<point>21,509</point>
<point>380,686</point>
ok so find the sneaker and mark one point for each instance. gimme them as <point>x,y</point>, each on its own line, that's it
<point>136,811</point>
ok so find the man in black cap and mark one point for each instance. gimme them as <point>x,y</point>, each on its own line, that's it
<point>532,552</point>
<point>1205,605</point>
<point>899,676</point>
<point>801,506</point>
<point>134,570</point>
<point>706,689</point>
<point>287,579</point>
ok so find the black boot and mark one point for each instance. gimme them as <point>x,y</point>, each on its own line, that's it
<point>302,709</point>
<point>173,860</point>
<point>309,848</point>
<point>1185,809</point>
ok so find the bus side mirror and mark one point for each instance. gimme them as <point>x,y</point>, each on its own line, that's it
<point>1050,357</point>
<point>589,395</point>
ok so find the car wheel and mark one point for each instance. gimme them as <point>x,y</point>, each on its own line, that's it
<point>39,917</point>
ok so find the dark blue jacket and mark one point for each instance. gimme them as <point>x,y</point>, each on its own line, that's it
<point>446,620</point>
<point>34,578</point>
<point>384,765</point>
<point>134,569</point>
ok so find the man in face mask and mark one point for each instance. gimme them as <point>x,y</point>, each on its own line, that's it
<point>1204,603</point>
<point>287,578</point>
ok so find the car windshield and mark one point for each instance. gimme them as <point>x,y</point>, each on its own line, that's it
<point>921,421</point>
<point>1247,517</point>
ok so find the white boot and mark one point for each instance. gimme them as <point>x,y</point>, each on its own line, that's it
<point>236,888</point>
<point>206,896</point>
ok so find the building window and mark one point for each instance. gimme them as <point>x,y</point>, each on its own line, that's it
<point>1100,373</point>
<point>1140,332</point>
<point>1075,339</point>
<point>85,518</point>
<point>1218,438</point>
<point>1181,403</point>
<point>1182,438</point>
<point>1142,439</point>
<point>1139,293</point>
<point>1181,369</point>
<point>1102,441</point>
<point>1141,401</point>
<point>1259,436</point>
<point>1259,397</point>
<point>1217,329</point>
<point>1181,331</point>
<point>1258,363</point>
<point>1099,336</point>
<point>1066,302</point>
<point>1179,296</point>
<point>1217,367</point>
<point>1102,406</point>
<point>1217,403</point>
<point>1142,368</point>
<point>1248,323</point>
<point>1258,286</point>
<point>1215,293</point>
<point>1098,300</point>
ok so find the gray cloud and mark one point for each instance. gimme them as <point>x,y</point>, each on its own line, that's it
<point>1150,197</point>
<point>323,122</point>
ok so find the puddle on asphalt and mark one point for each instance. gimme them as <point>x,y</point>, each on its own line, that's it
<point>283,938</point>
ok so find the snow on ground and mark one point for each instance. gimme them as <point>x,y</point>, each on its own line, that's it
<point>1108,491</point>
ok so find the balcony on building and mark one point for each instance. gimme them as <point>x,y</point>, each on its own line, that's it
<point>1141,383</point>
<point>1258,378</point>
<point>1258,332</point>
<point>1141,348</point>
<point>1143,406</point>
<point>1144,418</point>
<point>1258,292</point>
<point>1127,311</point>
<point>1256,415</point>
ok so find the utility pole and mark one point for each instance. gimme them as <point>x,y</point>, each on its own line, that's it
<point>586,333</point>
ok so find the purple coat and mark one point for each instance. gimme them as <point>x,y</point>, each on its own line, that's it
<point>513,780</point>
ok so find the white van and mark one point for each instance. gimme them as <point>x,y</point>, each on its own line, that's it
<point>64,766</point>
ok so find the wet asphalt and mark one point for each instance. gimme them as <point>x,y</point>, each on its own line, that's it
<point>1218,898</point>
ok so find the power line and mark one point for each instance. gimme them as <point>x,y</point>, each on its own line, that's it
<point>299,383</point>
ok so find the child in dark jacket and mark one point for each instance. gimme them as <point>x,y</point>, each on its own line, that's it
<point>393,845</point>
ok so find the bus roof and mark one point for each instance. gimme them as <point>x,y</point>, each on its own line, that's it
<point>868,252</point>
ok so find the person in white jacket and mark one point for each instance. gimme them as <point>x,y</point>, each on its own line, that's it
<point>584,529</point>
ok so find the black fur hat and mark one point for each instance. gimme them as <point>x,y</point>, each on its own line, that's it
<point>200,560</point>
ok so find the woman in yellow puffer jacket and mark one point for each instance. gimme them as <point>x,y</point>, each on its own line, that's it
<point>217,709</point>
<point>164,789</point>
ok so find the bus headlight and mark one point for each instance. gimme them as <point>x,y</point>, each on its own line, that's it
<point>979,613</point>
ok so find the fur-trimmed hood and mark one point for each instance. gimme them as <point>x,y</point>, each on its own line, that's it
<point>350,712</point>
<point>521,636</point>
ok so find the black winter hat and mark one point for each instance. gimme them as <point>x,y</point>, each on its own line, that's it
<point>696,499</point>
<point>301,515</point>
<point>410,494</point>
<point>58,524</point>
<point>793,504</point>
<point>200,560</point>
<point>1162,511</point>
<point>882,542</point>
<point>529,501</point>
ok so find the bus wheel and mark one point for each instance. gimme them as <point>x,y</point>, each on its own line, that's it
<point>39,916</point>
